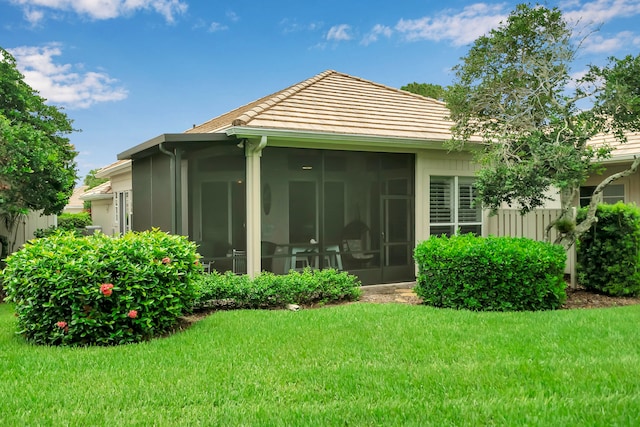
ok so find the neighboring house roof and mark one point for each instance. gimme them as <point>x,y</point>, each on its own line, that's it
<point>621,151</point>
<point>334,102</point>
<point>75,203</point>
<point>114,168</point>
<point>99,192</point>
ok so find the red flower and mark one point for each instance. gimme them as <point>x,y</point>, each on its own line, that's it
<point>166,260</point>
<point>61,324</point>
<point>132,314</point>
<point>106,289</point>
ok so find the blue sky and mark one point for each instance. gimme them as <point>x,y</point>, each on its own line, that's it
<point>128,70</point>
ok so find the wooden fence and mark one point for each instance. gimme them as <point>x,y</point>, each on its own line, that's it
<point>27,226</point>
<point>509,222</point>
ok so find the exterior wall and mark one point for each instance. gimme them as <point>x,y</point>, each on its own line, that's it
<point>102,214</point>
<point>436,163</point>
<point>152,188</point>
<point>121,182</point>
<point>631,183</point>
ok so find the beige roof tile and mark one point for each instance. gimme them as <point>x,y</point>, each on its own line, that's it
<point>339,103</point>
<point>98,191</point>
<point>105,171</point>
<point>628,149</point>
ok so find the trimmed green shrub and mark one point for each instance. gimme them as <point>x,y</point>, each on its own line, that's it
<point>270,290</point>
<point>490,274</point>
<point>67,222</point>
<point>100,290</point>
<point>608,255</point>
<point>71,221</point>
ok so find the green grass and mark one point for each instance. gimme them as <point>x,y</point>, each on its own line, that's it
<point>359,364</point>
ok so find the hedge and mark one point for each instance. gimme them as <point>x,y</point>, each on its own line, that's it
<point>490,274</point>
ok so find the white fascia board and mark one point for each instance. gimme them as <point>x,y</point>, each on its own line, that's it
<point>352,139</point>
<point>101,196</point>
<point>620,159</point>
<point>109,172</point>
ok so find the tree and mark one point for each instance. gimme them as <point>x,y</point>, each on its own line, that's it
<point>426,89</point>
<point>37,168</point>
<point>514,91</point>
<point>91,181</point>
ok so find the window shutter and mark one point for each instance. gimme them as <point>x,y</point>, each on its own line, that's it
<point>467,211</point>
<point>441,207</point>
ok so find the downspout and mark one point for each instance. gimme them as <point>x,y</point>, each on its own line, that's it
<point>172,184</point>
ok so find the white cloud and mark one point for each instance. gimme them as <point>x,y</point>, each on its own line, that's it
<point>232,16</point>
<point>599,44</point>
<point>60,84</point>
<point>217,26</point>
<point>293,26</point>
<point>458,28</point>
<point>339,33</point>
<point>100,9</point>
<point>600,11</point>
<point>377,31</point>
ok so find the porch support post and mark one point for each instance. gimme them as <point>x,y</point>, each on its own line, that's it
<point>253,152</point>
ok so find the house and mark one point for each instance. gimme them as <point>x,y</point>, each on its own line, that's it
<point>333,171</point>
<point>75,203</point>
<point>111,207</point>
<point>625,189</point>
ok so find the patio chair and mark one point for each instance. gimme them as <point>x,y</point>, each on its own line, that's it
<point>239,261</point>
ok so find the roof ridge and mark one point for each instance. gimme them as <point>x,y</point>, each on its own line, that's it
<point>394,89</point>
<point>244,118</point>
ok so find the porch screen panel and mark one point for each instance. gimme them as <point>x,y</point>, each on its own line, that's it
<point>302,211</point>
<point>334,207</point>
<point>215,213</point>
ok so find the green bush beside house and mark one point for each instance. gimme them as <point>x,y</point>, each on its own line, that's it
<point>490,274</point>
<point>99,290</point>
<point>608,255</point>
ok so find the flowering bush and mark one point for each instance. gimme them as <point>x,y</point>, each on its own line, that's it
<point>100,290</point>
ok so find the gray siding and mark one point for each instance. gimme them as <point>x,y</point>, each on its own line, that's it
<point>152,187</point>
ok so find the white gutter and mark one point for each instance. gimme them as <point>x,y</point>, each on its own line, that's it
<point>108,172</point>
<point>100,196</point>
<point>352,139</point>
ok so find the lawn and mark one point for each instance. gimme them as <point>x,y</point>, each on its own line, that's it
<point>357,364</point>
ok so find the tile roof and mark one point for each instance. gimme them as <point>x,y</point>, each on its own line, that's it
<point>102,191</point>
<point>334,102</point>
<point>74,200</point>
<point>627,150</point>
<point>118,165</point>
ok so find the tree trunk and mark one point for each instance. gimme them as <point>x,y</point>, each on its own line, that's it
<point>567,240</point>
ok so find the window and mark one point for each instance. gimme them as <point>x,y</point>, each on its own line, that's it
<point>122,210</point>
<point>611,194</point>
<point>453,207</point>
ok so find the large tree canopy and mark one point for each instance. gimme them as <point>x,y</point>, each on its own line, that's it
<point>514,90</point>
<point>37,168</point>
<point>426,89</point>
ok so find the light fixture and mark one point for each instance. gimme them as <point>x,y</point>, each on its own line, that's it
<point>307,168</point>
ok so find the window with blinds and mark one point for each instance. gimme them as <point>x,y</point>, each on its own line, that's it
<point>453,206</point>
<point>612,193</point>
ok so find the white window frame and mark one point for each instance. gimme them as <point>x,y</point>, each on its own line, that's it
<point>125,206</point>
<point>455,202</point>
